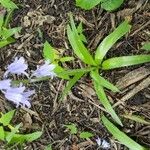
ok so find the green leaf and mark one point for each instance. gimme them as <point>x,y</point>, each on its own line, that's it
<point>71,83</point>
<point>33,136</point>
<point>20,138</point>
<point>120,136</point>
<point>137,118</point>
<point>103,99</point>
<point>49,52</point>
<point>6,33</point>
<point>146,46</point>
<point>6,118</point>
<point>64,59</point>
<point>87,4</point>
<point>6,42</point>
<point>110,40</point>
<point>75,40</point>
<point>11,134</point>
<point>123,61</point>
<point>8,4</point>
<point>72,127</point>
<point>103,82</point>
<point>110,5</point>
<point>86,135</point>
<point>2,134</point>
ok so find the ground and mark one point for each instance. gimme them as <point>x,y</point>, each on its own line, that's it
<point>43,20</point>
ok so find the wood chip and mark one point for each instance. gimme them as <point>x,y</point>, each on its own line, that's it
<point>144,84</point>
<point>132,77</point>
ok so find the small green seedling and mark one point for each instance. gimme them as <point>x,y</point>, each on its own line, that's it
<point>74,130</point>
<point>97,64</point>
<point>100,63</point>
<point>108,5</point>
<point>72,127</point>
<point>12,136</point>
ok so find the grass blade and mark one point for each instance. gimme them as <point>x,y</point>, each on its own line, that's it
<point>71,83</point>
<point>103,82</point>
<point>123,61</point>
<point>2,135</point>
<point>1,21</point>
<point>20,138</point>
<point>103,99</point>
<point>120,136</point>
<point>76,42</point>
<point>110,40</point>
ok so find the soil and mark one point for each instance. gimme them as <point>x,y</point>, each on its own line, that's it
<point>43,20</point>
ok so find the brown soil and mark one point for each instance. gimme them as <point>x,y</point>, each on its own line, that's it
<point>81,106</point>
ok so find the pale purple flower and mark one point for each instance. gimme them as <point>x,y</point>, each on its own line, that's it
<point>5,84</point>
<point>18,96</point>
<point>17,67</point>
<point>44,70</point>
<point>103,143</point>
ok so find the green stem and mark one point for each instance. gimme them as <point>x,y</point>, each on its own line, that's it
<point>67,72</point>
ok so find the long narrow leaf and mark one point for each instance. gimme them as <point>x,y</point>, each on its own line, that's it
<point>1,21</point>
<point>2,134</point>
<point>120,136</point>
<point>103,99</point>
<point>110,40</point>
<point>71,84</point>
<point>76,42</point>
<point>103,82</point>
<point>123,61</point>
<point>20,138</point>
